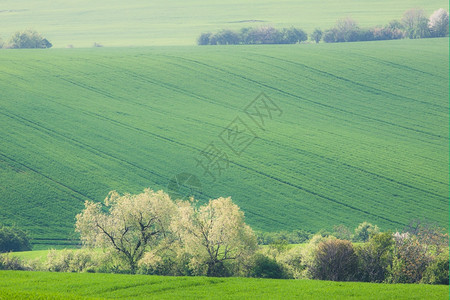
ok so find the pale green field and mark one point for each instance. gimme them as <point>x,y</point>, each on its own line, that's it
<point>176,22</point>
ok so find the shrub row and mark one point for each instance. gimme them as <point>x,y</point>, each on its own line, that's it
<point>414,24</point>
<point>416,256</point>
<point>249,36</point>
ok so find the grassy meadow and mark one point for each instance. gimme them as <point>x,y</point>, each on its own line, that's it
<point>43,285</point>
<point>177,22</point>
<point>363,133</point>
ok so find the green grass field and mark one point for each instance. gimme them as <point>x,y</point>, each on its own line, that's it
<point>363,134</point>
<point>39,285</point>
<point>177,22</point>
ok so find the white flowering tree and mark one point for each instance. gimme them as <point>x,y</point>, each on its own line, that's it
<point>128,224</point>
<point>438,23</point>
<point>213,234</point>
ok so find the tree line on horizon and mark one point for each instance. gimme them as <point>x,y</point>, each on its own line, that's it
<point>413,25</point>
<point>149,233</point>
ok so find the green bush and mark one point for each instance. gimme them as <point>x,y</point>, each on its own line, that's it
<point>167,263</point>
<point>334,260</point>
<point>84,260</point>
<point>13,239</point>
<point>266,267</point>
<point>438,271</point>
<point>8,262</point>
<point>410,261</point>
<point>375,257</point>
<point>292,261</point>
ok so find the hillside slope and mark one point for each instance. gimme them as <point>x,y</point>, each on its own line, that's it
<point>358,131</point>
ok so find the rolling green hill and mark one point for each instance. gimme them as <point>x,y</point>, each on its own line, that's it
<point>44,285</point>
<point>177,22</point>
<point>362,135</point>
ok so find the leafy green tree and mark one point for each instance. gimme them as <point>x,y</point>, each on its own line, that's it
<point>330,36</point>
<point>292,36</point>
<point>363,232</point>
<point>28,39</point>
<point>204,38</point>
<point>266,267</point>
<point>438,271</point>
<point>346,30</point>
<point>375,257</point>
<point>13,239</point>
<point>342,232</point>
<point>317,35</point>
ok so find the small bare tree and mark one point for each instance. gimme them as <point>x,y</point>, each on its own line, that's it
<point>127,224</point>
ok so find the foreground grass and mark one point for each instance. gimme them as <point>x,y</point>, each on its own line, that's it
<point>42,285</point>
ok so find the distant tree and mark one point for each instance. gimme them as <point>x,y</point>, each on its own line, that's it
<point>317,35</point>
<point>388,33</point>
<point>416,24</point>
<point>430,235</point>
<point>438,23</point>
<point>214,234</point>
<point>13,239</point>
<point>266,35</point>
<point>334,260</point>
<point>28,39</point>
<point>1,43</point>
<point>342,232</point>
<point>395,24</point>
<point>204,38</point>
<point>363,232</point>
<point>299,236</point>
<point>227,37</point>
<point>246,35</point>
<point>330,36</point>
<point>346,30</point>
<point>292,36</point>
<point>127,224</point>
